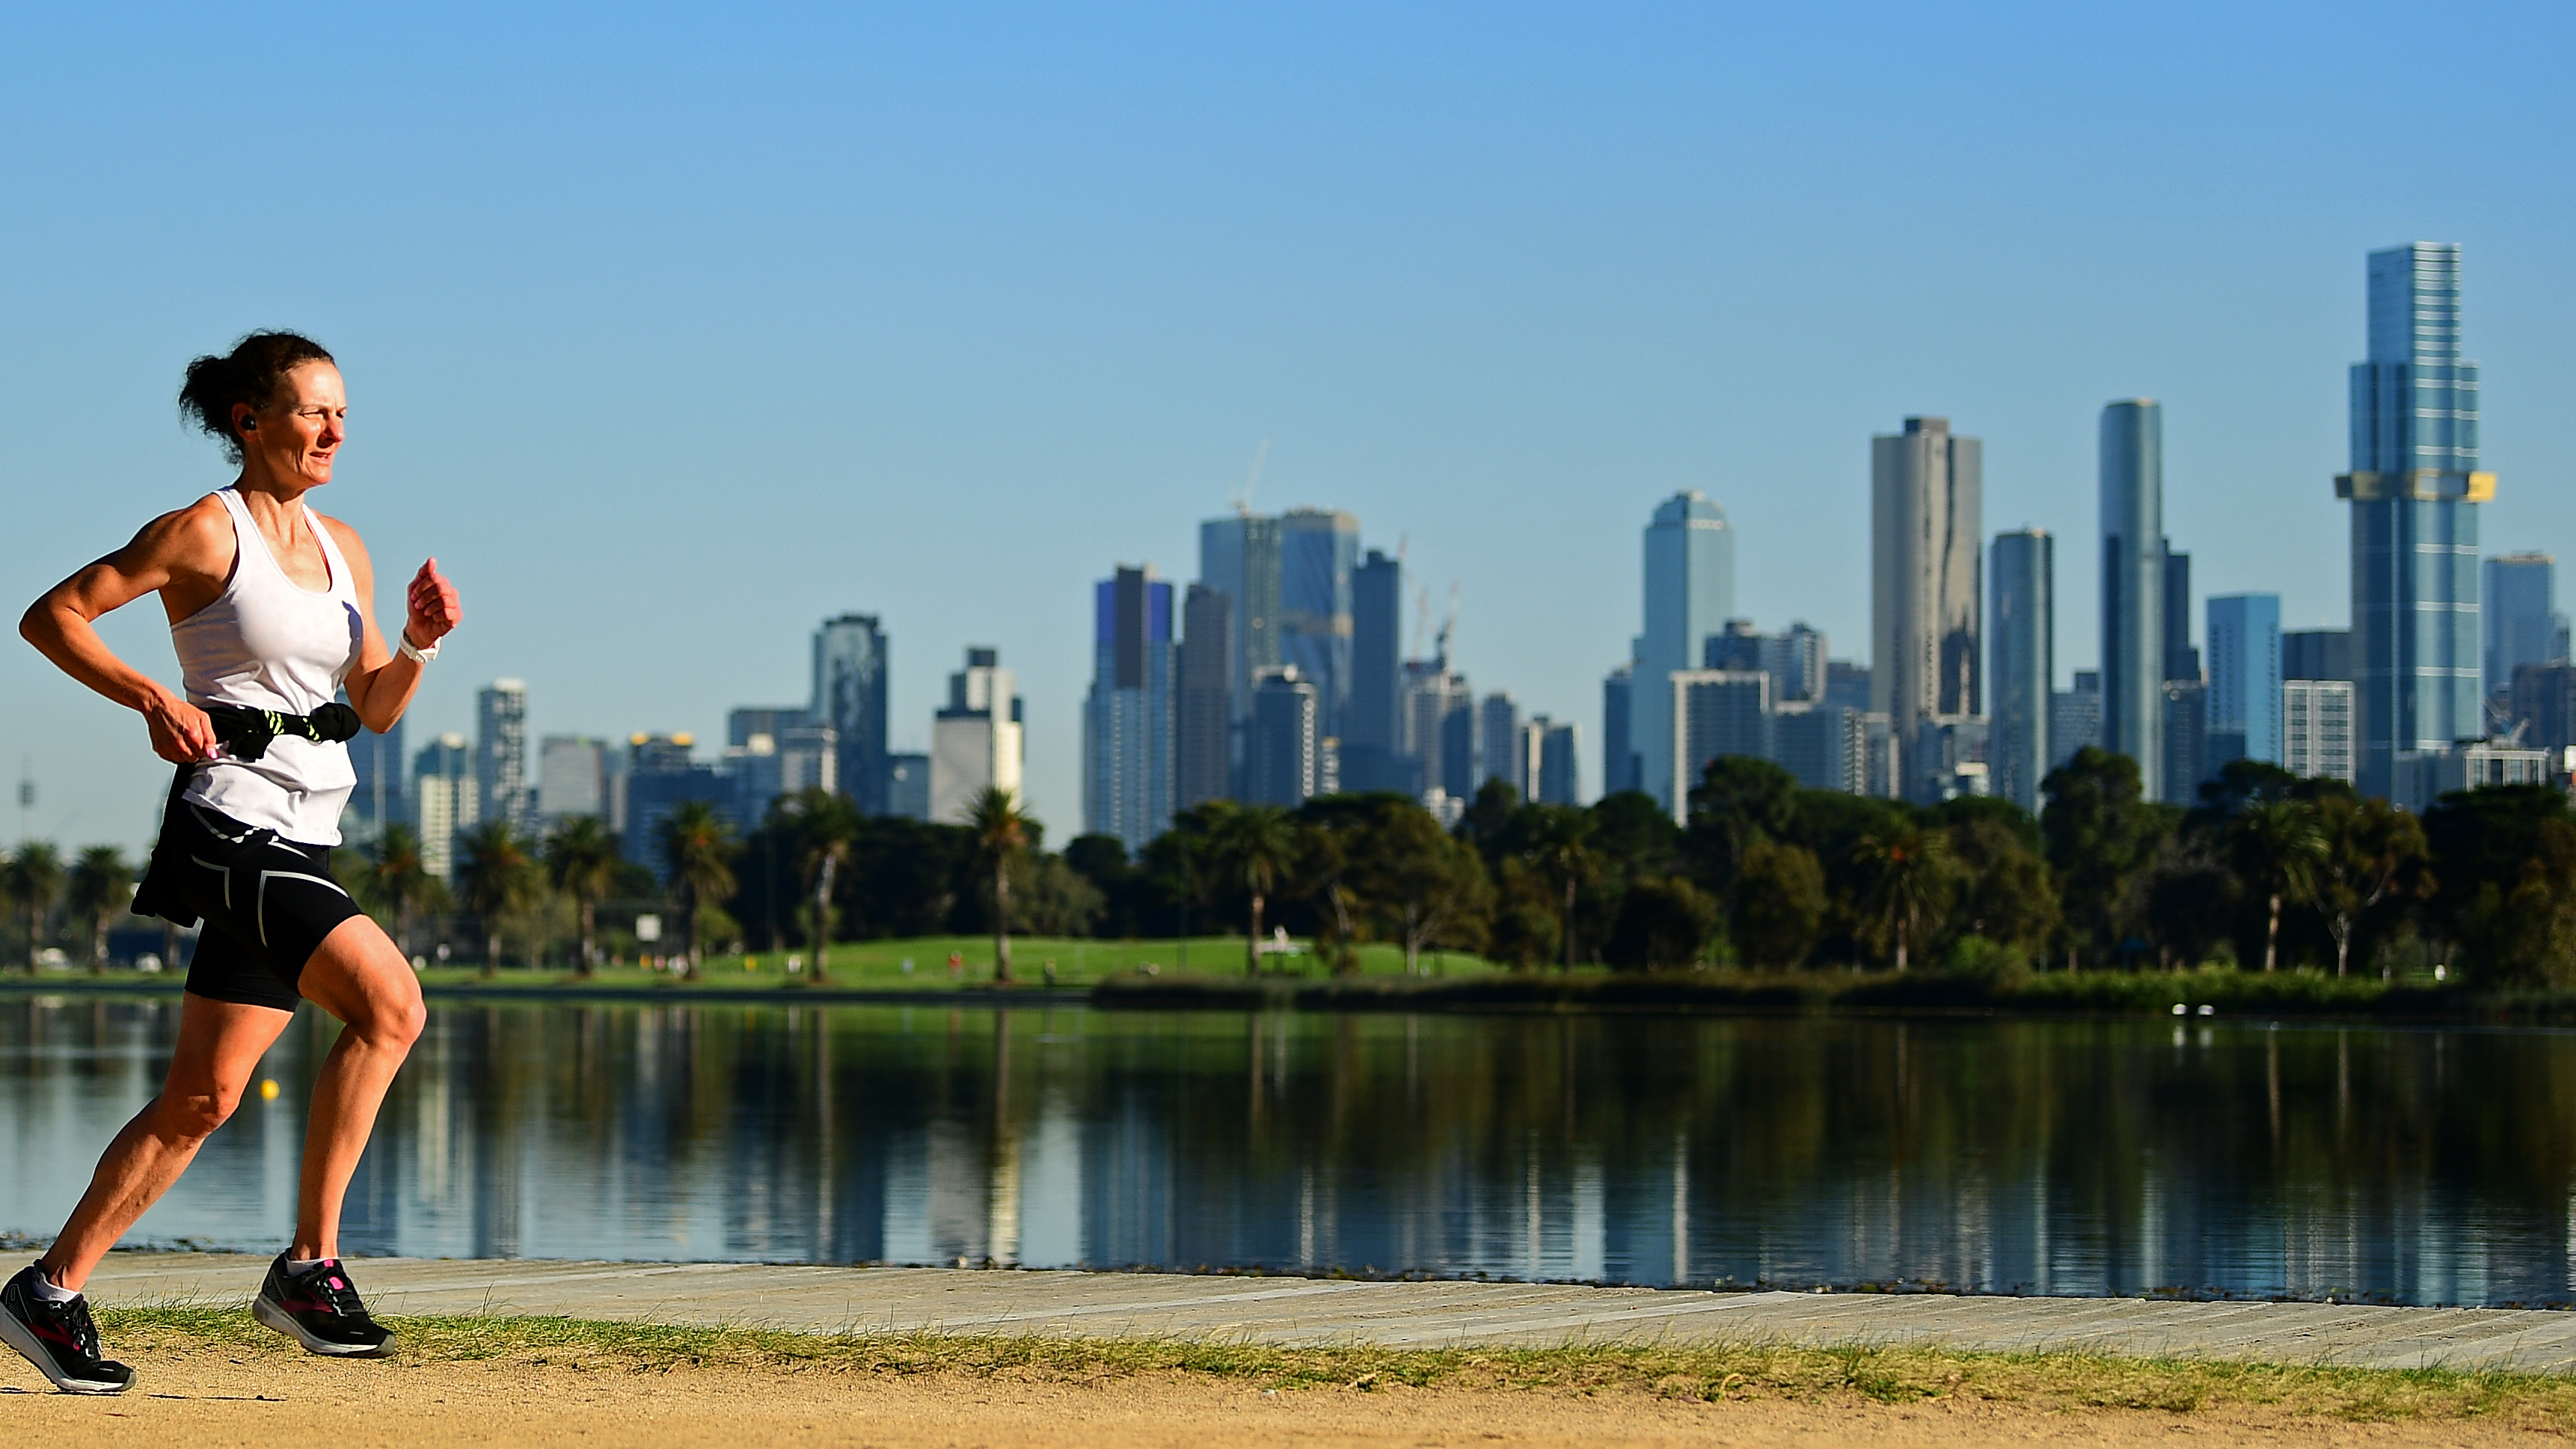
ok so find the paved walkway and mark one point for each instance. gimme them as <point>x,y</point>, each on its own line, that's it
<point>1403,1315</point>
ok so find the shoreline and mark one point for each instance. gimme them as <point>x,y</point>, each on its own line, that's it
<point>2203,996</point>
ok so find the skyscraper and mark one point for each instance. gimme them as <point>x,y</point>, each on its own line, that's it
<point>1318,548</point>
<point>1689,595</point>
<point>2317,654</point>
<point>1499,752</point>
<point>1439,726</point>
<point>1283,765</point>
<point>2523,625</point>
<point>2414,487</point>
<point>850,696</point>
<point>1927,551</point>
<point>2021,641</point>
<point>445,800</point>
<point>2074,719</point>
<point>1559,749</point>
<point>2316,728</point>
<point>572,779</point>
<point>1127,723</point>
<point>1715,712</point>
<point>2133,587</point>
<point>2244,678</point>
<point>1620,768</point>
<point>1239,558</point>
<point>501,752</point>
<point>379,799</point>
<point>1203,700</point>
<point>2182,661</point>
<point>1373,723</point>
<point>975,743</point>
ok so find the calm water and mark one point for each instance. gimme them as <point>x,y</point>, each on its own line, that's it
<point>2042,1157</point>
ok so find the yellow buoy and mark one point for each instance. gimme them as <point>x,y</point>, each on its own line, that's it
<point>268,1089</point>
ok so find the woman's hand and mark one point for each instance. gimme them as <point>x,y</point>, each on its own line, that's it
<point>433,607</point>
<point>181,733</point>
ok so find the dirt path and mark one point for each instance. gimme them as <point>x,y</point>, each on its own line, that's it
<point>215,1399</point>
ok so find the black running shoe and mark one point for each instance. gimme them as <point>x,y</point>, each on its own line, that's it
<point>58,1338</point>
<point>319,1309</point>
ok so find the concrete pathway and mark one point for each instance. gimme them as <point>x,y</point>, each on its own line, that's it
<point>1398,1315</point>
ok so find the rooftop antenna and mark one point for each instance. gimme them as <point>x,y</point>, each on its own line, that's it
<point>1243,500</point>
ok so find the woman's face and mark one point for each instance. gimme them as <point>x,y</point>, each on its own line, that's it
<point>300,431</point>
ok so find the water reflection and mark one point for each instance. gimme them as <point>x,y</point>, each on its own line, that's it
<point>2048,1157</point>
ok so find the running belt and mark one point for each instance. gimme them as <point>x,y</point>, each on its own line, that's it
<point>246,733</point>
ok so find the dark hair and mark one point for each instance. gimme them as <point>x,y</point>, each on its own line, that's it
<point>248,374</point>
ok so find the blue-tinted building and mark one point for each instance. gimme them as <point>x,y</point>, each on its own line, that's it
<point>2021,640</point>
<point>1127,724</point>
<point>2520,608</point>
<point>1318,549</point>
<point>2244,679</point>
<point>379,799</point>
<point>2414,489</point>
<point>850,696</point>
<point>2132,504</point>
<point>1689,596</point>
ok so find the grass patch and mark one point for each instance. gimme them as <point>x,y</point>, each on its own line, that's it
<point>2063,1381</point>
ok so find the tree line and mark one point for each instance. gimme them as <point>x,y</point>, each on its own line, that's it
<point>2268,872</point>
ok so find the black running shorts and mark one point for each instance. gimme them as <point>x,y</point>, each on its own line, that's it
<point>267,904</point>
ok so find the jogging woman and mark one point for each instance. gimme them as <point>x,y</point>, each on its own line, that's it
<point>271,611</point>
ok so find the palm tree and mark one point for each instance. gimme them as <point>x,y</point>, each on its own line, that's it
<point>1002,832</point>
<point>581,862</point>
<point>101,887</point>
<point>32,878</point>
<point>1257,844</point>
<point>399,878</point>
<point>2279,850</point>
<point>1563,852</point>
<point>1907,867</point>
<point>497,875</point>
<point>698,847</point>
<point>827,827</point>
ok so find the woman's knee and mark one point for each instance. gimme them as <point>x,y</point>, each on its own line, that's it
<point>191,1113</point>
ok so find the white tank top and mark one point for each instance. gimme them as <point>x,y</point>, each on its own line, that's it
<point>269,643</point>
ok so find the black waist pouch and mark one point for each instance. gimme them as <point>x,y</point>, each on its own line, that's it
<point>247,733</point>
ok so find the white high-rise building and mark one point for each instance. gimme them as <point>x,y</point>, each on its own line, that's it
<point>2316,728</point>
<point>975,742</point>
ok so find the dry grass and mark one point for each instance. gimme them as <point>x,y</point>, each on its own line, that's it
<point>2058,1381</point>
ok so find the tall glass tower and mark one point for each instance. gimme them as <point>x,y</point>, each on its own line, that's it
<point>850,696</point>
<point>2133,587</point>
<point>1127,723</point>
<point>1318,548</point>
<point>1690,594</point>
<point>2413,486</point>
<point>2021,641</point>
<point>1927,558</point>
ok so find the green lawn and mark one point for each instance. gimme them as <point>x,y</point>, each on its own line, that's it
<point>922,964</point>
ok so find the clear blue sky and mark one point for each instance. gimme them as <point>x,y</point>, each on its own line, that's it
<point>671,331</point>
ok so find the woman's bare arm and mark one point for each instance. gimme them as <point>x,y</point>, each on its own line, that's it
<point>381,687</point>
<point>187,553</point>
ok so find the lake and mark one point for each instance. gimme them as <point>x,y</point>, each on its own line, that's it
<point>2074,1157</point>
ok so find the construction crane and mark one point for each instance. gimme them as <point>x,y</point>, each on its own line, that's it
<point>1242,501</point>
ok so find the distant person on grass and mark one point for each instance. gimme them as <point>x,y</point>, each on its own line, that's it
<point>271,610</point>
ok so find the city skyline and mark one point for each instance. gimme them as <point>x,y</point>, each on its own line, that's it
<point>1490,297</point>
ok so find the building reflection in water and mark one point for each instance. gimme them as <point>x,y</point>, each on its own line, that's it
<point>2043,1157</point>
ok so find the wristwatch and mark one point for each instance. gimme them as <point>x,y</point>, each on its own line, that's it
<point>413,651</point>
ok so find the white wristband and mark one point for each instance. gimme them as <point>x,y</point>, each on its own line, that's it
<point>414,652</point>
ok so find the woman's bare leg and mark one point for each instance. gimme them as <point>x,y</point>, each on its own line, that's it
<point>357,975</point>
<point>220,1044</point>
